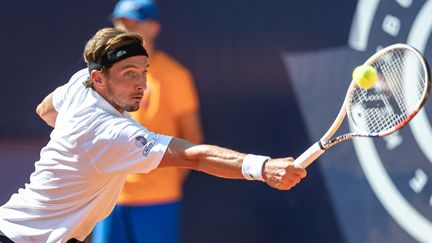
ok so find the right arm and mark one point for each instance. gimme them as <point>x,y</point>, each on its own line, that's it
<point>46,110</point>
<point>278,173</point>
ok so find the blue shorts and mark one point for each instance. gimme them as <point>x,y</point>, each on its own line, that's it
<point>140,224</point>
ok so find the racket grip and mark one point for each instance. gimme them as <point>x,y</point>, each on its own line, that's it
<point>309,156</point>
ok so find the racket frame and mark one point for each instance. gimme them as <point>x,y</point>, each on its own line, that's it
<point>326,141</point>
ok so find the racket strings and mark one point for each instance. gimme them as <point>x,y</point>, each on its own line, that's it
<point>396,95</point>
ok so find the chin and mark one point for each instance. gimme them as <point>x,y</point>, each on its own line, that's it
<point>131,108</point>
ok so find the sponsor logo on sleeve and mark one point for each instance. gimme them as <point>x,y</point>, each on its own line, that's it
<point>140,141</point>
<point>149,146</point>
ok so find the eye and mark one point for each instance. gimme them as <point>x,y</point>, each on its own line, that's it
<point>130,74</point>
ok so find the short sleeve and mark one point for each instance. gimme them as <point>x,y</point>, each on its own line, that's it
<point>127,147</point>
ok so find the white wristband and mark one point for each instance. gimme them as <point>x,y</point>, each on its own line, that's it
<point>252,166</point>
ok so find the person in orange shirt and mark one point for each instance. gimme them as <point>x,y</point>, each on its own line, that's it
<point>148,207</point>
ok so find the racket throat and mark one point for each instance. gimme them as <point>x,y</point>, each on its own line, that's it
<point>310,155</point>
<point>321,143</point>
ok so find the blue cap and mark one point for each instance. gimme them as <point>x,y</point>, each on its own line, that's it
<point>138,10</point>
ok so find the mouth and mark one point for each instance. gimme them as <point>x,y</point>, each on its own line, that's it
<point>137,97</point>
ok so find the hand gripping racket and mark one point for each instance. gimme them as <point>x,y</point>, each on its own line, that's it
<point>400,91</point>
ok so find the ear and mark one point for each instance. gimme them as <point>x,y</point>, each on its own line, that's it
<point>97,78</point>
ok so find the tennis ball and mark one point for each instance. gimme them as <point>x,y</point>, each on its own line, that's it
<point>365,76</point>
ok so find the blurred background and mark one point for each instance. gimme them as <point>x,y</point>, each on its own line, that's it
<point>271,76</point>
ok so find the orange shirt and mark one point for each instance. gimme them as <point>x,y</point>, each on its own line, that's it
<point>170,93</point>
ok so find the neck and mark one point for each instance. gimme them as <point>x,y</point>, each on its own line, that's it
<point>103,94</point>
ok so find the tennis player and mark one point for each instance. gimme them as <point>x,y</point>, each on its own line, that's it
<point>149,206</point>
<point>95,144</point>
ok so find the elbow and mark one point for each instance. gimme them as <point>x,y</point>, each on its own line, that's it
<point>46,111</point>
<point>40,110</point>
<point>45,114</point>
<point>183,154</point>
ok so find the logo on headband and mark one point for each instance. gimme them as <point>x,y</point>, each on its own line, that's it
<point>120,53</point>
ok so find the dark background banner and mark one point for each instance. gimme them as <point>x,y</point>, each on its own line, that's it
<point>380,189</point>
<point>270,77</point>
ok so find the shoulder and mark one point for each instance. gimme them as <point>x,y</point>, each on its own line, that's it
<point>78,77</point>
<point>81,74</point>
<point>75,83</point>
<point>72,91</point>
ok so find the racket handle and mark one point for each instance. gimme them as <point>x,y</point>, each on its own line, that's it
<point>309,156</point>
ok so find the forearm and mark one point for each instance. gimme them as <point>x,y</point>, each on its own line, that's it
<point>210,159</point>
<point>278,173</point>
<point>217,161</point>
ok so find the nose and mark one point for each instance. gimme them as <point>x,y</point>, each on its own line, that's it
<point>142,84</point>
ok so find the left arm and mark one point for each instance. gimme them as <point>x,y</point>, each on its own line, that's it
<point>222,162</point>
<point>46,111</point>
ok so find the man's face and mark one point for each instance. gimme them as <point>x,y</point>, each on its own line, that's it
<point>147,29</point>
<point>125,83</point>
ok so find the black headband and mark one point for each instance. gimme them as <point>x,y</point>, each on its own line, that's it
<point>116,55</point>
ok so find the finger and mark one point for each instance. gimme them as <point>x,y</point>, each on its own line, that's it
<point>294,176</point>
<point>291,180</point>
<point>286,187</point>
<point>297,171</point>
<point>274,184</point>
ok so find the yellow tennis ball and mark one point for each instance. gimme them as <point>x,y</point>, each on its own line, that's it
<point>365,76</point>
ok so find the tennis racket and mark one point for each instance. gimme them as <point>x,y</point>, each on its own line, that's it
<point>401,89</point>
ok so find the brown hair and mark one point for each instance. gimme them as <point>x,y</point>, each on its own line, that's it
<point>105,40</point>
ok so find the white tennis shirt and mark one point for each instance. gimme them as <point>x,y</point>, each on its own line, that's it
<point>82,168</point>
